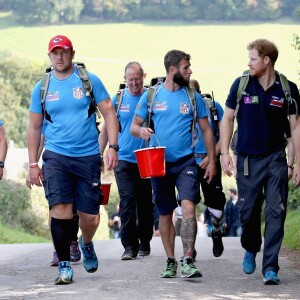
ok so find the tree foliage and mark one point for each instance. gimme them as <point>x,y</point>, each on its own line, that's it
<point>48,12</point>
<point>17,78</point>
<point>72,11</point>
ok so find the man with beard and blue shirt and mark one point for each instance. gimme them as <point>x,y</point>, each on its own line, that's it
<point>172,116</point>
<point>136,209</point>
<point>214,197</point>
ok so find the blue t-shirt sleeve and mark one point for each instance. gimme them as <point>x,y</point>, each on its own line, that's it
<point>231,99</point>
<point>220,110</point>
<point>114,100</point>
<point>44,127</point>
<point>1,123</point>
<point>35,103</point>
<point>201,108</point>
<point>99,90</point>
<point>141,109</point>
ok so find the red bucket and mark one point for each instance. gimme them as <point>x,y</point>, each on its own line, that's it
<point>105,187</point>
<point>151,162</point>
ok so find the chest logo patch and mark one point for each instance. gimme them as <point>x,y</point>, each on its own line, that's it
<point>275,101</point>
<point>78,93</point>
<point>124,108</point>
<point>251,99</point>
<point>160,105</point>
<point>52,96</point>
<point>184,108</point>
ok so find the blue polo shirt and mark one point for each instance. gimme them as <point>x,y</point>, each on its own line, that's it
<point>200,146</point>
<point>172,115</point>
<point>262,116</point>
<point>127,142</point>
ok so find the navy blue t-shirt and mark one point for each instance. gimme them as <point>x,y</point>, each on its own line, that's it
<point>262,116</point>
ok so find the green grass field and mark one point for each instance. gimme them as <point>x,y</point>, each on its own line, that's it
<point>218,50</point>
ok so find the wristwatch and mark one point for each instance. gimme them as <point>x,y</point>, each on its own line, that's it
<point>1,164</point>
<point>116,147</point>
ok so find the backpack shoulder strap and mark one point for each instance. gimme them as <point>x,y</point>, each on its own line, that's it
<point>87,88</point>
<point>84,76</point>
<point>119,100</point>
<point>287,92</point>
<point>241,90</point>
<point>150,99</point>
<point>195,134</point>
<point>43,92</point>
<point>285,85</point>
<point>211,105</point>
<point>44,86</point>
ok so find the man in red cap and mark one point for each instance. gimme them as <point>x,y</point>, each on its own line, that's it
<point>72,162</point>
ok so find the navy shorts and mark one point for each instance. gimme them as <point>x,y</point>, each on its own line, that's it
<point>182,175</point>
<point>73,180</point>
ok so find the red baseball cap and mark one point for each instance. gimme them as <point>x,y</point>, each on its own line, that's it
<point>60,41</point>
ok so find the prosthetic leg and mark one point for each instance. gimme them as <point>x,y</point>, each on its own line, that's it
<point>216,235</point>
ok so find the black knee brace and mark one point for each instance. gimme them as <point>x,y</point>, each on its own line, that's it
<point>216,222</point>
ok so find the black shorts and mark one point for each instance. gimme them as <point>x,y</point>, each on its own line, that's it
<point>213,192</point>
<point>73,180</point>
<point>183,176</point>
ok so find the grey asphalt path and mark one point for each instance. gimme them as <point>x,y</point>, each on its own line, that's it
<point>25,274</point>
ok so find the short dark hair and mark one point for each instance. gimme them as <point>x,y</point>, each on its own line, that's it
<point>174,57</point>
<point>264,48</point>
<point>233,191</point>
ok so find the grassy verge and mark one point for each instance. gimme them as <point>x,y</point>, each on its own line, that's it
<point>214,62</point>
<point>292,232</point>
<point>17,236</point>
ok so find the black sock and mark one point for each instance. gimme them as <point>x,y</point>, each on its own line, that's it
<point>75,228</point>
<point>61,233</point>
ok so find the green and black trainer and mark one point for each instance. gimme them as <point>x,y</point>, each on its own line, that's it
<point>170,270</point>
<point>189,270</point>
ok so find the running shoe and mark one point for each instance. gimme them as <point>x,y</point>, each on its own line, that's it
<point>189,270</point>
<point>271,278</point>
<point>218,247</point>
<point>75,253</point>
<point>129,255</point>
<point>144,249</point>
<point>170,270</point>
<point>249,264</point>
<point>90,261</point>
<point>55,260</point>
<point>65,273</point>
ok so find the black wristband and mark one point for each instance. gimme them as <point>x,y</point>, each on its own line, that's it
<point>116,147</point>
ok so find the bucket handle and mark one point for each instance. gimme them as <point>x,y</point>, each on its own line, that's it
<point>147,141</point>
